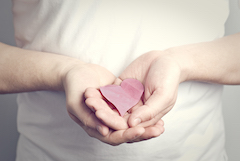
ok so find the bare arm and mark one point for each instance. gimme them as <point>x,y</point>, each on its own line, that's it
<point>24,70</point>
<point>161,72</point>
<point>217,61</point>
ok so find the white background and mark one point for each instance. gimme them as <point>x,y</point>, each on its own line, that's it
<point>8,107</point>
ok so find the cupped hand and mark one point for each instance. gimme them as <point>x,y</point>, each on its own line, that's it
<point>75,82</point>
<point>108,114</point>
<point>76,79</point>
<point>161,74</point>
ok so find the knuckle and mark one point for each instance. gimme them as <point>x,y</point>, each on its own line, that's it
<point>89,92</point>
<point>87,120</point>
<point>150,114</point>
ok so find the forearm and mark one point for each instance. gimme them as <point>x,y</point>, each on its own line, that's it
<point>217,61</point>
<point>24,70</point>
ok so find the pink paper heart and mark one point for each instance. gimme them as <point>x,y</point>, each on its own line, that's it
<point>125,96</point>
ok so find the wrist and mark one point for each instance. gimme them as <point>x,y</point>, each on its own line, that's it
<point>183,61</point>
<point>64,68</point>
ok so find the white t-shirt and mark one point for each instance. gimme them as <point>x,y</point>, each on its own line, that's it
<point>112,34</point>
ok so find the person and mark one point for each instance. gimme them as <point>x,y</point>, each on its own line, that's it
<point>68,49</point>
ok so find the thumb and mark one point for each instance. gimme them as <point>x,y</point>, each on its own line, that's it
<point>155,107</point>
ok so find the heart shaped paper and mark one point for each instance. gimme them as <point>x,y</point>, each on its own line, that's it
<point>125,96</point>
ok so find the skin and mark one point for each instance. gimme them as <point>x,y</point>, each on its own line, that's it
<point>24,71</point>
<point>161,72</point>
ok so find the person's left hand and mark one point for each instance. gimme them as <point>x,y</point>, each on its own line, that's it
<point>161,74</point>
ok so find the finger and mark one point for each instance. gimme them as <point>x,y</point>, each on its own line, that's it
<point>156,119</point>
<point>92,123</point>
<point>139,104</point>
<point>154,109</point>
<point>95,93</point>
<point>151,132</point>
<point>82,115</point>
<point>154,130</point>
<point>128,135</point>
<point>92,93</point>
<point>103,112</point>
<point>118,137</point>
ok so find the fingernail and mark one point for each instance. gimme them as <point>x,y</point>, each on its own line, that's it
<point>136,121</point>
